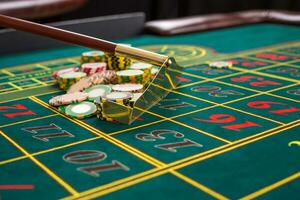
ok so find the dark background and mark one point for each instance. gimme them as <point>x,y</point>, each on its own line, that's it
<point>162,9</point>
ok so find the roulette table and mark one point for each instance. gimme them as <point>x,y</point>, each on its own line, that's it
<point>221,134</point>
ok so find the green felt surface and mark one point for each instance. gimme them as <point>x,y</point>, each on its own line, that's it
<point>221,134</point>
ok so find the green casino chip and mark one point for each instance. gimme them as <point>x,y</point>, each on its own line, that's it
<point>81,110</point>
<point>62,109</point>
<point>97,91</point>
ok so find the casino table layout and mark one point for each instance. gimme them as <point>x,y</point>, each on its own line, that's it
<point>221,134</point>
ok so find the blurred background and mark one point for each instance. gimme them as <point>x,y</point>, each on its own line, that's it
<point>59,10</point>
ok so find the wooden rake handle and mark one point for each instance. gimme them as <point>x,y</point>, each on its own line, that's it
<point>82,40</point>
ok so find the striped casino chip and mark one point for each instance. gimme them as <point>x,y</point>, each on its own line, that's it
<point>145,67</point>
<point>93,56</point>
<point>65,81</point>
<point>130,76</point>
<point>81,110</point>
<point>118,97</point>
<point>92,68</point>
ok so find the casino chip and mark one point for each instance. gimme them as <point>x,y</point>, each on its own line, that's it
<point>145,67</point>
<point>62,109</point>
<point>64,71</point>
<point>128,87</point>
<point>82,84</point>
<point>92,68</point>
<point>123,98</point>
<point>97,91</point>
<point>100,114</point>
<point>81,110</point>
<point>93,56</point>
<point>66,99</point>
<point>110,77</point>
<point>220,64</point>
<point>65,81</point>
<point>102,78</point>
<point>130,76</point>
<point>106,77</point>
<point>117,62</point>
<point>118,97</point>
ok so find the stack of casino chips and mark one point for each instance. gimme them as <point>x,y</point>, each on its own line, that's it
<point>100,112</point>
<point>101,79</point>
<point>115,62</point>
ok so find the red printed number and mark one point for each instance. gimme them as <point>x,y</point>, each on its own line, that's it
<point>261,82</point>
<point>268,104</point>
<point>225,118</point>
<point>19,110</point>
<point>271,56</point>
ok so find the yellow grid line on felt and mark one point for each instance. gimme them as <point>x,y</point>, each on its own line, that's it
<point>15,86</point>
<point>272,186</point>
<point>114,141</point>
<point>27,89</point>
<point>59,180</point>
<point>100,133</point>
<point>222,104</point>
<point>102,190</point>
<point>29,96</point>
<point>262,92</point>
<point>231,55</point>
<point>243,139</point>
<point>73,59</point>
<point>28,120</point>
<point>40,82</point>
<point>188,126</point>
<point>4,71</point>
<point>285,53</point>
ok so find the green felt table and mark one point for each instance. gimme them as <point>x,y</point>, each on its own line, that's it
<point>222,134</point>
